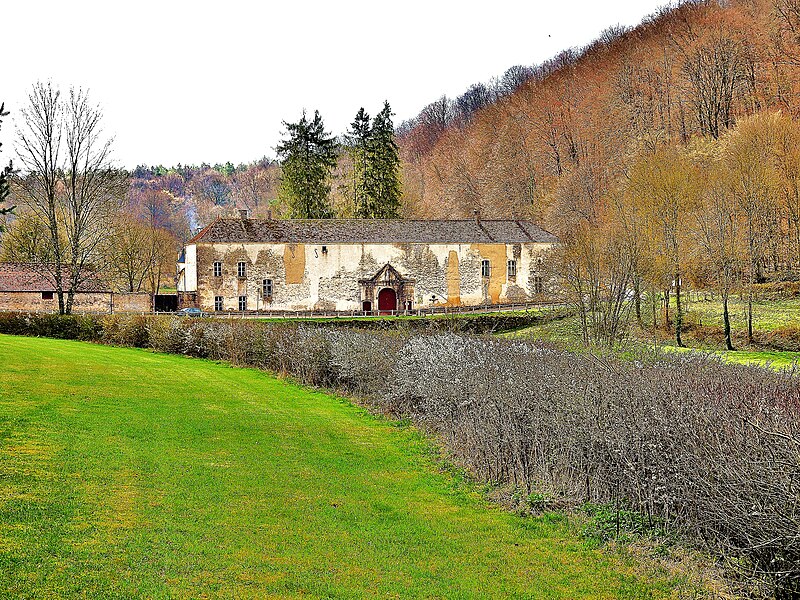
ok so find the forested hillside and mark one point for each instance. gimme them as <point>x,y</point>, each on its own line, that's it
<point>663,156</point>
<point>563,133</point>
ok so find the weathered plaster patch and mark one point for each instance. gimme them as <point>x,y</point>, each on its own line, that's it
<point>470,270</point>
<point>367,265</point>
<point>420,263</point>
<point>294,260</point>
<point>514,293</point>
<point>343,286</point>
<point>453,280</point>
<point>496,254</point>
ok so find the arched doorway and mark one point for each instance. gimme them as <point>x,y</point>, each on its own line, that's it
<point>387,301</point>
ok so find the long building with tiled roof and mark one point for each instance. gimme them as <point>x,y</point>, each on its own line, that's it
<point>372,265</point>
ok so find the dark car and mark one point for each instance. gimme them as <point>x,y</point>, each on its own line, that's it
<point>191,312</point>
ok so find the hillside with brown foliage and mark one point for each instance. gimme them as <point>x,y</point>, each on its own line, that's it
<point>555,146</point>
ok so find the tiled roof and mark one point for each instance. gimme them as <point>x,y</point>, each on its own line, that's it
<point>27,277</point>
<point>372,231</point>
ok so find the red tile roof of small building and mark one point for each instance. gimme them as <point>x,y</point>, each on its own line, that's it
<point>29,277</point>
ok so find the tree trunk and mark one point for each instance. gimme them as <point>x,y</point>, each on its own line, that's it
<point>655,318</point>
<point>678,312</point>
<point>637,301</point>
<point>70,300</point>
<point>726,319</point>
<point>750,316</point>
<point>666,308</point>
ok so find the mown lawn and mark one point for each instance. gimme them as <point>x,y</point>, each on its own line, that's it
<point>125,473</point>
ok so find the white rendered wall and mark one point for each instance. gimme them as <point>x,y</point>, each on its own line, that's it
<point>306,278</point>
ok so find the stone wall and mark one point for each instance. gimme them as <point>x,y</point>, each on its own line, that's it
<point>133,302</point>
<point>96,302</point>
<point>316,277</point>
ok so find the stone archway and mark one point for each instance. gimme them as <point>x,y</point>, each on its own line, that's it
<point>387,291</point>
<point>387,301</point>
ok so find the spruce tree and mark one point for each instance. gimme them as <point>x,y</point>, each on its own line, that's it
<point>307,158</point>
<point>359,138</point>
<point>383,166</point>
<point>4,175</point>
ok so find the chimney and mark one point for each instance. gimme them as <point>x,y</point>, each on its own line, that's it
<point>244,213</point>
<point>477,214</point>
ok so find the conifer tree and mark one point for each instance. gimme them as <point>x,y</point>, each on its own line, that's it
<point>4,175</point>
<point>359,139</point>
<point>383,164</point>
<point>307,158</point>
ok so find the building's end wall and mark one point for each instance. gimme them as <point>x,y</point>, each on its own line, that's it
<point>187,270</point>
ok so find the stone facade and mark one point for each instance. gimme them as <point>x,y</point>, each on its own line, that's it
<point>359,265</point>
<point>29,288</point>
<point>47,302</point>
<point>132,302</point>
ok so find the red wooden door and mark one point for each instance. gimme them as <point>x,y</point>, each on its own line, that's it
<point>387,301</point>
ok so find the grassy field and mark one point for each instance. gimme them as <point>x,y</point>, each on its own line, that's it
<point>767,314</point>
<point>775,360</point>
<point>125,473</point>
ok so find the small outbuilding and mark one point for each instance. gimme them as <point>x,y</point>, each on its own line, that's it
<point>29,287</point>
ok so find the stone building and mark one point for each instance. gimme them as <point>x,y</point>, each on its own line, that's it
<point>361,264</point>
<point>30,288</point>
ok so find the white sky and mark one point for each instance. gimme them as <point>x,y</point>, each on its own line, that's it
<point>192,81</point>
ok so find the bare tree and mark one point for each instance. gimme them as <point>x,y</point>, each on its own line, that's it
<point>716,71</point>
<point>68,181</point>
<point>755,183</point>
<point>719,235</point>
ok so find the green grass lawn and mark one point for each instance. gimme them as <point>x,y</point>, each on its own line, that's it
<point>767,314</point>
<point>773,359</point>
<point>125,473</point>
<point>566,333</point>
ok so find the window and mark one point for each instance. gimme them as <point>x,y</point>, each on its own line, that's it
<point>217,269</point>
<point>241,269</point>
<point>538,285</point>
<point>486,268</point>
<point>266,288</point>
<point>47,295</point>
<point>242,302</point>
<point>512,268</point>
<point>218,303</point>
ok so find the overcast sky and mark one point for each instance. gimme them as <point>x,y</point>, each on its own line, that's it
<point>191,82</point>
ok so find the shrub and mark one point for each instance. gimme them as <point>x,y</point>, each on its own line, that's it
<point>785,338</point>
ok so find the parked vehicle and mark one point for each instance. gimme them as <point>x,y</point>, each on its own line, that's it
<point>191,311</point>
